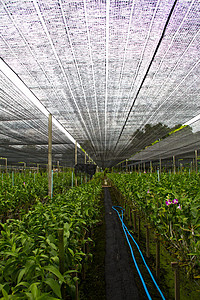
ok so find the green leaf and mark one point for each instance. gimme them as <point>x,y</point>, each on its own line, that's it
<point>34,290</point>
<point>54,285</point>
<point>55,271</point>
<point>21,274</point>
<point>46,296</point>
<point>5,295</point>
<point>21,284</point>
<point>71,251</point>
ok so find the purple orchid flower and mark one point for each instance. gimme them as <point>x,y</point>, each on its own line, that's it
<point>175,201</point>
<point>168,202</point>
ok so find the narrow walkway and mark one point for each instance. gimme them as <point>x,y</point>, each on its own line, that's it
<point>120,283</point>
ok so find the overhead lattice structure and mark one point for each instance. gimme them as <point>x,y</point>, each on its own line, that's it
<point>107,70</point>
<point>182,144</point>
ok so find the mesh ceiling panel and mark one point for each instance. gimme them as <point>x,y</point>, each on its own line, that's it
<point>116,74</point>
<point>181,144</point>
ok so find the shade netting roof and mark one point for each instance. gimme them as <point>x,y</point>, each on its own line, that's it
<point>116,74</point>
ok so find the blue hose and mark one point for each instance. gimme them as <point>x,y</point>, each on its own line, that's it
<point>126,232</point>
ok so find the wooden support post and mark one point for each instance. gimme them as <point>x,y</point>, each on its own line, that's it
<point>147,241</point>
<point>144,167</point>
<point>135,168</point>
<point>196,162</point>
<point>174,164</point>
<point>58,166</point>
<point>76,159</point>
<point>157,256</point>
<point>126,165</point>
<point>38,168</point>
<point>50,155</point>
<point>175,266</point>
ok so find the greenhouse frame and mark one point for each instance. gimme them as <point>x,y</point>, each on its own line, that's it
<point>99,99</point>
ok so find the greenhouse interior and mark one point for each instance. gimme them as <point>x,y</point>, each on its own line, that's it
<point>100,149</point>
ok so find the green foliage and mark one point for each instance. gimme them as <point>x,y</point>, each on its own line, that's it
<point>29,255</point>
<point>178,223</point>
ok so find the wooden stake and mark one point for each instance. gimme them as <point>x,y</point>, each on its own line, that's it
<point>134,220</point>
<point>49,155</point>
<point>151,169</point>
<point>58,166</point>
<point>138,228</point>
<point>147,241</point>
<point>160,165</point>
<point>175,266</point>
<point>61,255</point>
<point>85,163</point>
<point>157,256</point>
<point>6,166</point>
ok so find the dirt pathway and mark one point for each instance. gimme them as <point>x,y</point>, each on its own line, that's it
<point>119,274</point>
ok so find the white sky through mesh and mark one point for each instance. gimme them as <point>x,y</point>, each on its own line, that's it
<point>104,69</point>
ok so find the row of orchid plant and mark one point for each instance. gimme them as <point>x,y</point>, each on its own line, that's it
<point>29,252</point>
<point>18,191</point>
<point>171,205</point>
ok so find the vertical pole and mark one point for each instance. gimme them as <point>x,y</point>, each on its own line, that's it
<point>49,154</point>
<point>61,255</point>
<point>6,166</point>
<point>72,178</point>
<point>151,166</point>
<point>12,178</point>
<point>76,159</point>
<point>85,164</point>
<point>126,165</point>
<point>157,256</point>
<point>138,228</point>
<point>196,162</point>
<point>147,241</point>
<point>160,165</point>
<point>58,166</point>
<point>144,167</point>
<point>51,184</point>
<point>38,168</point>
<point>134,220</point>
<point>135,168</point>
<point>175,266</point>
<point>174,164</point>
<point>158,175</point>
